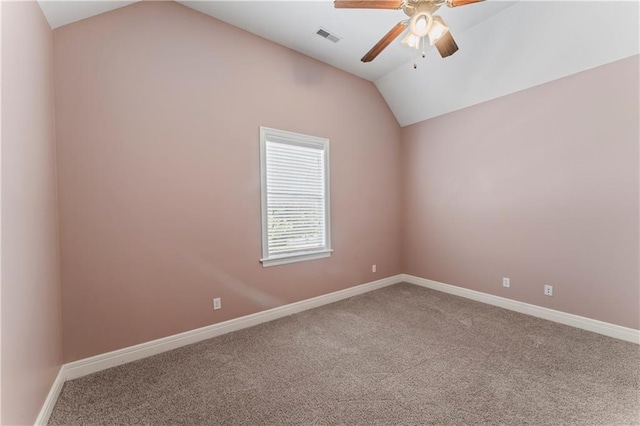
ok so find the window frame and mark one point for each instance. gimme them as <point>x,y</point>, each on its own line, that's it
<point>291,138</point>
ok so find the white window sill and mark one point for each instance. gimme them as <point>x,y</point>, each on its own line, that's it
<point>292,258</point>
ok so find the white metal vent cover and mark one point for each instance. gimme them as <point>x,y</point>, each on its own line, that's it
<point>328,35</point>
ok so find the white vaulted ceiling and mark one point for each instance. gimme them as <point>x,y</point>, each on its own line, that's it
<point>60,12</point>
<point>504,46</point>
<point>520,47</point>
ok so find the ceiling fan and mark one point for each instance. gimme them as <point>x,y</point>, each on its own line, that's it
<point>421,23</point>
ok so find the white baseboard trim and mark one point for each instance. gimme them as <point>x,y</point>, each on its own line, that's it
<point>101,362</point>
<point>83,367</point>
<point>600,327</point>
<point>52,397</point>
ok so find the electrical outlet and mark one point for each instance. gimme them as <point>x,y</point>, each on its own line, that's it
<point>548,290</point>
<point>506,282</point>
<point>217,303</point>
<point>373,268</point>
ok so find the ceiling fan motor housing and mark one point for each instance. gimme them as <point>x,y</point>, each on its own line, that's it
<point>429,6</point>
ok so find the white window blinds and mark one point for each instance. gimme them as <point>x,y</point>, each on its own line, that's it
<point>295,197</point>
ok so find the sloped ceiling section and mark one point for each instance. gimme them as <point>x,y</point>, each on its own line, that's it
<point>522,46</point>
<point>293,24</point>
<point>60,12</point>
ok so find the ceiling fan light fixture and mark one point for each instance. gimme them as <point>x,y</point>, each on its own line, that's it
<point>411,40</point>
<point>438,30</point>
<point>420,24</point>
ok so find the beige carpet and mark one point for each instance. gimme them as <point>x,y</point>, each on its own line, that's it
<point>402,355</point>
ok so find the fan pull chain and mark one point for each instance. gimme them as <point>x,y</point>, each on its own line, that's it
<point>424,55</point>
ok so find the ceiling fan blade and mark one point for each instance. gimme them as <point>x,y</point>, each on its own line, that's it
<point>446,45</point>
<point>385,41</point>
<point>456,3</point>
<point>367,4</point>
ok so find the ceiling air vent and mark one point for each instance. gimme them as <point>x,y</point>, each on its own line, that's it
<point>326,34</point>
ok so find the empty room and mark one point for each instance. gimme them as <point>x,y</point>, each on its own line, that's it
<point>349,212</point>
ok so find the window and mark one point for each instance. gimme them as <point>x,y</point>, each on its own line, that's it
<point>294,172</point>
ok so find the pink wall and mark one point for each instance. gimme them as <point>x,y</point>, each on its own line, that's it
<point>31,314</point>
<point>540,186</point>
<point>158,111</point>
